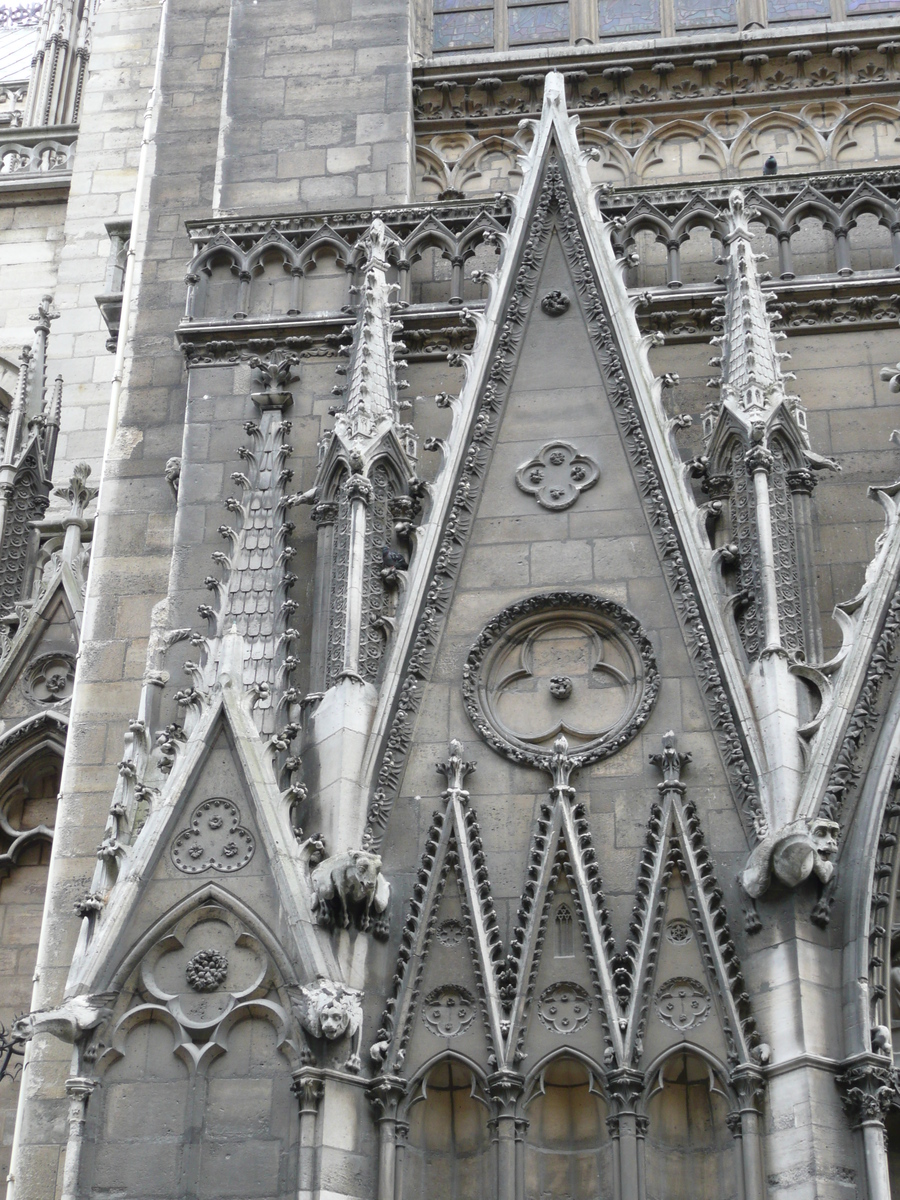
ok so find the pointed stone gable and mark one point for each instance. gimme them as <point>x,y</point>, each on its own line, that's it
<point>556,333</point>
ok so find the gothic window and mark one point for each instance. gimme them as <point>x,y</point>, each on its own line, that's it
<point>567,1150</point>
<point>565,932</point>
<point>463,24</point>
<point>690,1152</point>
<point>447,1157</point>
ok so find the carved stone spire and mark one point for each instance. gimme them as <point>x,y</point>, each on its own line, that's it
<point>252,617</point>
<point>752,382</point>
<point>371,379</point>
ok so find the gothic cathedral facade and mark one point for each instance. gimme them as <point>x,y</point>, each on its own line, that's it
<point>450,599</point>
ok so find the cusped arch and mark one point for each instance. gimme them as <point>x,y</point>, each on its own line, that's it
<point>26,746</point>
<point>430,233</point>
<point>646,217</point>
<point>441,1056</point>
<point>653,1072</point>
<point>604,157</point>
<point>759,141</point>
<point>681,149</point>
<point>851,141</point>
<point>472,236</point>
<point>566,1052</point>
<point>273,244</point>
<point>322,239</point>
<point>869,199</point>
<point>220,251</point>
<point>472,164</point>
<point>210,895</point>
<point>432,173</point>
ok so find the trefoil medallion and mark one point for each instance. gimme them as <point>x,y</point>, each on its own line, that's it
<point>561,663</point>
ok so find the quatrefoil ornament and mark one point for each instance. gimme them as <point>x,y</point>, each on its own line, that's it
<point>215,840</point>
<point>557,475</point>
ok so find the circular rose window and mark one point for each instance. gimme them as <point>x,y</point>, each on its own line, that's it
<point>567,662</point>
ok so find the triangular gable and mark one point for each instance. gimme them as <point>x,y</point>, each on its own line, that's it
<point>121,874</point>
<point>556,192</point>
<point>453,845</point>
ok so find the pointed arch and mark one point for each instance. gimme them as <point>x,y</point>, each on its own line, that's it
<point>473,172</point>
<point>869,135</point>
<point>432,173</point>
<point>448,1147</point>
<point>680,148</point>
<point>209,894</point>
<point>760,139</point>
<point>31,755</point>
<point>690,1151</point>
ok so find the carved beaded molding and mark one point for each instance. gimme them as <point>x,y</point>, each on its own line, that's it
<point>553,196</point>
<point>490,671</point>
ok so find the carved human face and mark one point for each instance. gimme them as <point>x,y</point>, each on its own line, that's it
<point>333,1020</point>
<point>824,836</point>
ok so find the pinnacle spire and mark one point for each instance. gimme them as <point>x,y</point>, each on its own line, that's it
<point>752,384</point>
<point>371,381</point>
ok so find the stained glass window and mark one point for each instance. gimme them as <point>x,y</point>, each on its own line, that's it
<point>537,23</point>
<point>704,14</point>
<point>798,10</point>
<point>463,24</point>
<point>855,7</point>
<point>622,17</point>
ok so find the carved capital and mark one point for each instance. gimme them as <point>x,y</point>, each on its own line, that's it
<point>802,480</point>
<point>360,488</point>
<point>750,1085</point>
<point>759,459</point>
<point>80,1087</point>
<point>625,1086</point>
<point>733,1121</point>
<point>385,1093</point>
<point>867,1089</point>
<point>309,1089</point>
<point>505,1088</point>
<point>718,487</point>
<point>325,513</point>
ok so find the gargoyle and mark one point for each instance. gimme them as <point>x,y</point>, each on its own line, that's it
<point>350,884</point>
<point>330,1010</point>
<point>793,853</point>
<point>70,1022</point>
